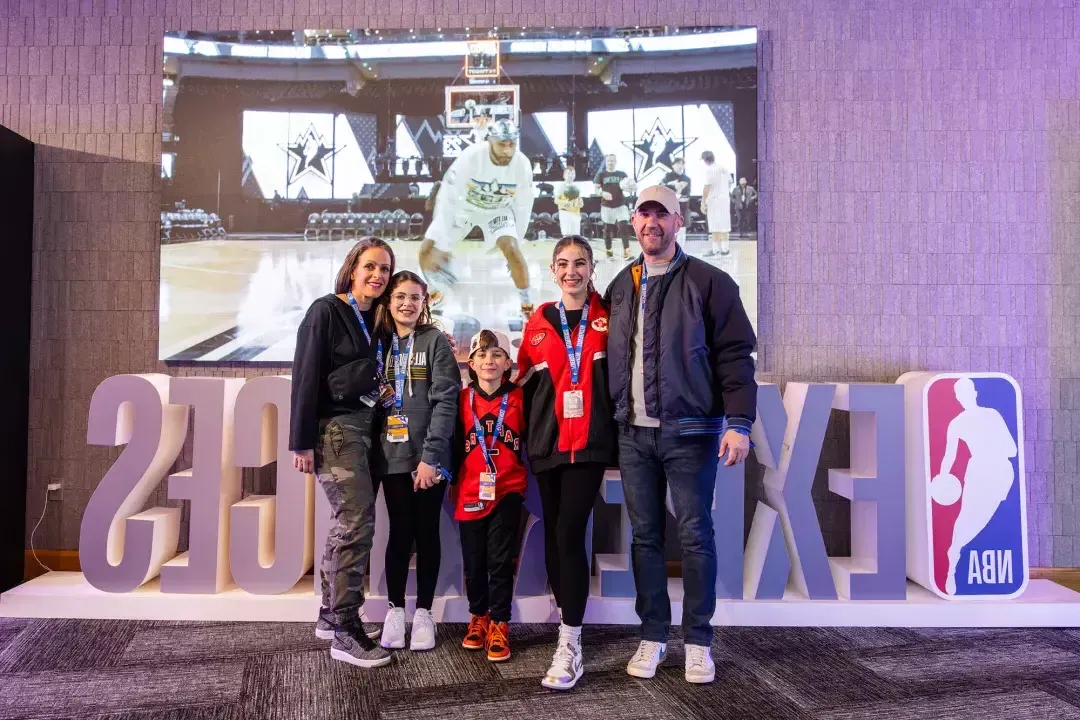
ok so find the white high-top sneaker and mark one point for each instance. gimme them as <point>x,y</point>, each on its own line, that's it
<point>423,630</point>
<point>649,654</point>
<point>699,664</point>
<point>393,631</point>
<point>567,666</point>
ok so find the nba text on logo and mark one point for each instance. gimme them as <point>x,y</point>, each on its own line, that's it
<point>936,486</point>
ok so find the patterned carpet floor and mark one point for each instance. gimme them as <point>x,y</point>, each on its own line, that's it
<point>141,670</point>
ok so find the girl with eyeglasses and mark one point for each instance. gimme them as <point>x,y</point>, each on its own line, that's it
<point>416,457</point>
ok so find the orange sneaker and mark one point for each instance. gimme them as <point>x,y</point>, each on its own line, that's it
<point>498,642</point>
<point>477,635</point>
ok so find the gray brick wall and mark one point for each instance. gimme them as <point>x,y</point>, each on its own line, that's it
<point>920,168</point>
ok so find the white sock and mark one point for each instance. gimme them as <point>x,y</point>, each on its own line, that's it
<point>574,633</point>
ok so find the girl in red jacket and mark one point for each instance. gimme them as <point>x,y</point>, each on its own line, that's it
<point>570,434</point>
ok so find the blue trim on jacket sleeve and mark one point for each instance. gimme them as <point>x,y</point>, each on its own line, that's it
<point>739,424</point>
<point>700,426</point>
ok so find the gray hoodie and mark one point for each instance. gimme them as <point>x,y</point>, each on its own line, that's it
<point>429,400</point>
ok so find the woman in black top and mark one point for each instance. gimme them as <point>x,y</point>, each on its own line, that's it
<point>337,402</point>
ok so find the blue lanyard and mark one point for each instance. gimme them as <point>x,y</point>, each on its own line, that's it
<point>401,370</point>
<point>645,280</point>
<point>572,353</point>
<point>367,335</point>
<point>644,291</point>
<point>356,309</point>
<point>481,440</point>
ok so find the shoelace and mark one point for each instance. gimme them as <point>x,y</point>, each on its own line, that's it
<point>645,652</point>
<point>564,658</point>
<point>396,619</point>
<point>496,637</point>
<point>474,627</point>
<point>695,658</point>
<point>423,620</point>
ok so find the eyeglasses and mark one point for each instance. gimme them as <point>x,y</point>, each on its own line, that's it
<point>401,298</point>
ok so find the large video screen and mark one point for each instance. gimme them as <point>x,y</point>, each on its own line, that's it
<point>281,149</point>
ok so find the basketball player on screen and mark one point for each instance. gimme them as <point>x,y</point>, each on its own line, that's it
<point>488,186</point>
<point>613,186</point>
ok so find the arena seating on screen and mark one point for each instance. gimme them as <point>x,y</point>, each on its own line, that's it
<point>394,224</point>
<point>398,224</point>
<point>181,225</point>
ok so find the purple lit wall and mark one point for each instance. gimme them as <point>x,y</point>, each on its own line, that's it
<point>920,184</point>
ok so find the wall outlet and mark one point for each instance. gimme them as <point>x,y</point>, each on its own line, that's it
<point>54,490</point>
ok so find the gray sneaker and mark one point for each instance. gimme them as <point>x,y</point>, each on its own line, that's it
<point>351,645</point>
<point>324,626</point>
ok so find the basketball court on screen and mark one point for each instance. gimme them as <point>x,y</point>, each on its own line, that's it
<point>242,298</point>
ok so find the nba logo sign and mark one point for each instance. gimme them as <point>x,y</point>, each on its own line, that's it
<point>966,497</point>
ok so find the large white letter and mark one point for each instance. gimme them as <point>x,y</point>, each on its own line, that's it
<point>120,547</point>
<point>271,542</point>
<point>875,486</point>
<point>788,435</point>
<point>212,484</point>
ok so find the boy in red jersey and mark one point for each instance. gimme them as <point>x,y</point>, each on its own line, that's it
<point>490,489</point>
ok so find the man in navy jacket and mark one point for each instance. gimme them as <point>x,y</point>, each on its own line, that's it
<point>681,378</point>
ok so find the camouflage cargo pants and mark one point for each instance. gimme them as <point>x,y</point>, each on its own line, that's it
<point>342,463</point>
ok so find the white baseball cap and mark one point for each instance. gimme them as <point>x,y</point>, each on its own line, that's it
<point>659,194</point>
<point>501,341</point>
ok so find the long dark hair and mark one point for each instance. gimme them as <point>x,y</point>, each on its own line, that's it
<point>384,321</point>
<point>566,241</point>
<point>343,283</point>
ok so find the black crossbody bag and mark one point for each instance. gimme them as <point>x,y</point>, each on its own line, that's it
<point>358,378</point>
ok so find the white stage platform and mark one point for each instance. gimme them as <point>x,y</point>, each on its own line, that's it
<point>68,595</point>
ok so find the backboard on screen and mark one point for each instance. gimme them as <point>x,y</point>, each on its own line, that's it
<point>280,149</point>
<point>465,104</point>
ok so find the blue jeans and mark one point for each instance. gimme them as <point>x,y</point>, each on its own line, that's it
<point>650,464</point>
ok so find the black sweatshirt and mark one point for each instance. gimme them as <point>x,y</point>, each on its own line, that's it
<point>323,344</point>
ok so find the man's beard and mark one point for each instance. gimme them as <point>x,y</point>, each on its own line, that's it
<point>499,160</point>
<point>662,238</point>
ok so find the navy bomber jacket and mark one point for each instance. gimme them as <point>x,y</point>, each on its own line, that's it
<point>697,344</point>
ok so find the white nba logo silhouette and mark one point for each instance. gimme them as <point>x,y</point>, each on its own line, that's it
<point>989,475</point>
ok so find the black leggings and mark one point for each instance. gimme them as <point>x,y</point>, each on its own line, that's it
<point>568,494</point>
<point>413,516</point>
